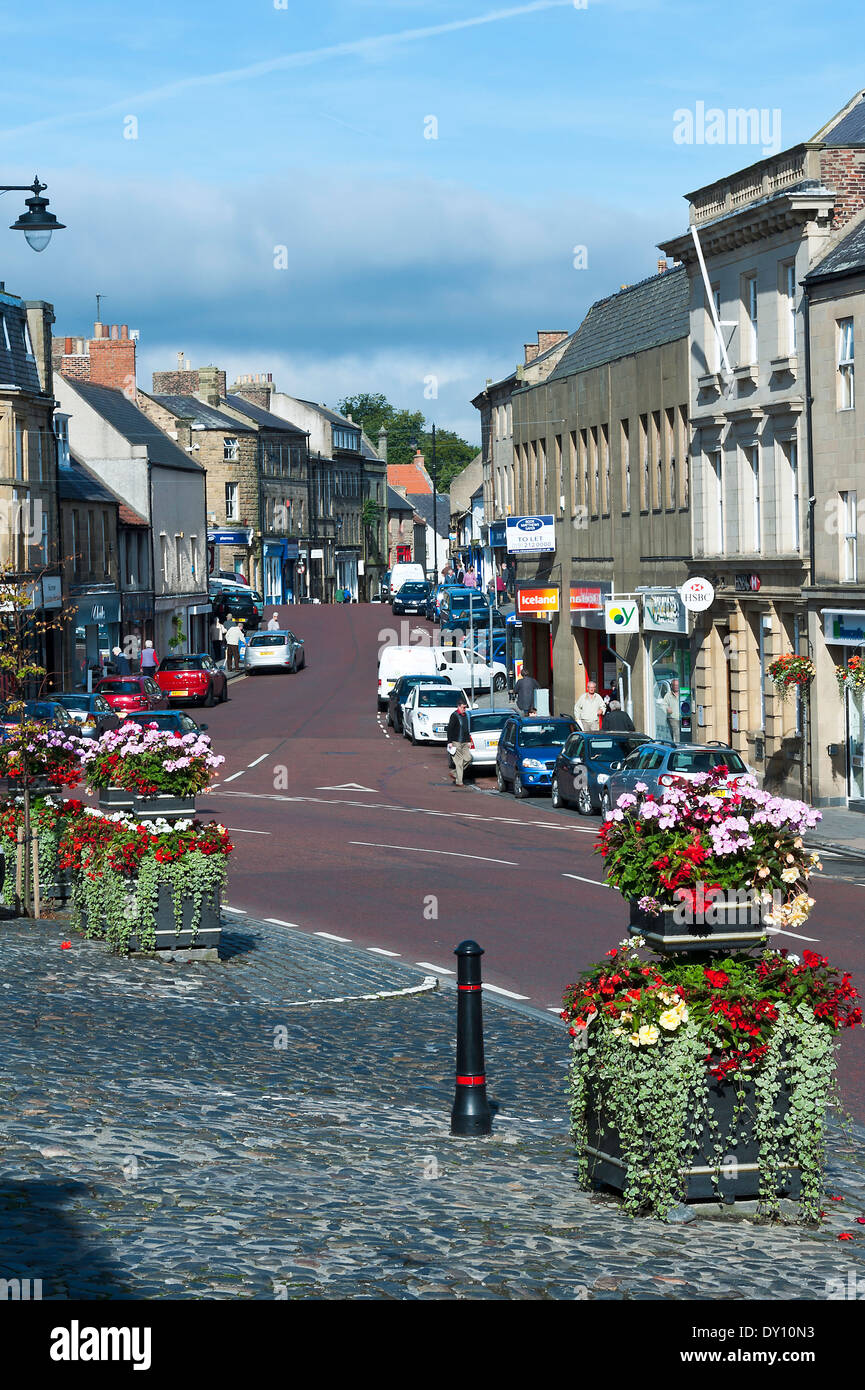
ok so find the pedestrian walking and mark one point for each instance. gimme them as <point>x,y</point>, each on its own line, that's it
<point>273,623</point>
<point>120,662</point>
<point>589,708</point>
<point>672,710</point>
<point>616,719</point>
<point>217,639</point>
<point>149,659</point>
<point>233,636</point>
<point>524,690</point>
<point>458,737</point>
<point>461,574</point>
<point>470,579</point>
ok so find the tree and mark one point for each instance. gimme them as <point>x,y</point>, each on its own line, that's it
<point>371,411</point>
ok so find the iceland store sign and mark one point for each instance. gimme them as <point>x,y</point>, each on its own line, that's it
<point>531,533</point>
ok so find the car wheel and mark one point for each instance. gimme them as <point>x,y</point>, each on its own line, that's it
<point>555,795</point>
<point>224,696</point>
<point>606,804</point>
<point>501,784</point>
<point>499,681</point>
<point>520,791</point>
<point>389,721</point>
<point>413,739</point>
<point>585,805</point>
<point>293,667</point>
<point>210,698</point>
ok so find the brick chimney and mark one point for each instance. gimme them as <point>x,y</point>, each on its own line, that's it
<point>257,389</point>
<point>112,359</point>
<point>531,351</point>
<point>211,385</point>
<point>548,338</point>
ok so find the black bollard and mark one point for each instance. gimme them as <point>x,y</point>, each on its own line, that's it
<point>471,1113</point>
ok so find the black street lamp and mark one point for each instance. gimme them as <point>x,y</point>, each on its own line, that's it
<point>38,224</point>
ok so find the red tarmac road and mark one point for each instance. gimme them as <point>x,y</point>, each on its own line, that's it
<point>410,865</point>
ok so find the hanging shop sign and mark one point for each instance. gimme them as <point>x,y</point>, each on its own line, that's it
<point>664,611</point>
<point>530,533</point>
<point>697,594</point>
<point>621,616</point>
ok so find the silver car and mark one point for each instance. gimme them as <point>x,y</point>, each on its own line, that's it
<point>485,727</point>
<point>274,651</point>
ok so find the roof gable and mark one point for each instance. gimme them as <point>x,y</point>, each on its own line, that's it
<point>134,426</point>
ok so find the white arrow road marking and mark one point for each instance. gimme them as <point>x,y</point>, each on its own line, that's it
<point>598,881</point>
<point>422,849</point>
<point>349,787</point>
<point>780,931</point>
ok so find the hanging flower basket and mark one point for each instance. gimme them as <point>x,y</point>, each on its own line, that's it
<point>791,672</point>
<point>851,676</point>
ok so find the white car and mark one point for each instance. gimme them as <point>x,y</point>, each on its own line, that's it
<point>485,728</point>
<point>427,711</point>
<point>458,664</point>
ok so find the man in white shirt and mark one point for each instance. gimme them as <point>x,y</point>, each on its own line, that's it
<point>233,638</point>
<point>589,708</point>
<point>273,624</point>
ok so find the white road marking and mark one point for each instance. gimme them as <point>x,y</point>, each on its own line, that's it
<point>422,849</point>
<point>278,922</point>
<point>439,969</point>
<point>330,936</point>
<point>509,994</point>
<point>258,760</point>
<point>551,1010</point>
<point>349,787</point>
<point>241,911</point>
<point>781,931</point>
<point>559,824</point>
<point>598,881</point>
<point>380,951</point>
<point>238,830</point>
<point>235,775</point>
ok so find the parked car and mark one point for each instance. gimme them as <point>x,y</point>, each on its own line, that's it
<point>400,693</point>
<point>467,609</point>
<point>384,587</point>
<point>274,651</point>
<point>129,694</point>
<point>91,714</point>
<point>49,712</point>
<point>411,597</point>
<point>175,720</point>
<point>659,763</point>
<point>405,572</point>
<point>584,766</point>
<point>403,661</point>
<point>427,711</point>
<point>192,678</point>
<point>433,603</point>
<point>460,663</point>
<point>485,731</point>
<point>239,601</point>
<point>527,752</point>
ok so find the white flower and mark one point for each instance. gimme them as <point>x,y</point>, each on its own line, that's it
<point>671,1020</point>
<point>648,1034</point>
<point>790,875</point>
<point>637,941</point>
<point>794,960</point>
<point>634,1040</point>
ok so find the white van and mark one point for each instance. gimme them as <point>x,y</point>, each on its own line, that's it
<point>403,661</point>
<point>404,573</point>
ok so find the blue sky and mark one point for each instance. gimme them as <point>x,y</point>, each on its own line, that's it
<point>303,127</point>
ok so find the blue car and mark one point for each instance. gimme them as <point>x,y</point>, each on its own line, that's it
<point>584,765</point>
<point>528,749</point>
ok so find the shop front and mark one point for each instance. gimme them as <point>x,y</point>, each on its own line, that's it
<point>95,629</point>
<point>230,552</point>
<point>280,558</point>
<point>595,658</point>
<point>668,697</point>
<point>844,632</point>
<point>537,609</point>
<point>346,573</point>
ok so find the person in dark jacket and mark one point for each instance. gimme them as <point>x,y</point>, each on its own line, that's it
<point>458,737</point>
<point>617,720</point>
<point>120,662</point>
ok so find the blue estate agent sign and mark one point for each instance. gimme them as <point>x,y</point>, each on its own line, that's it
<point>531,533</point>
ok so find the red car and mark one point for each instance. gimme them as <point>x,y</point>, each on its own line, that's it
<point>192,678</point>
<point>131,694</point>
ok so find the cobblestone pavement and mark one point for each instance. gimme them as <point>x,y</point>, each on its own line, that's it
<point>177,1131</point>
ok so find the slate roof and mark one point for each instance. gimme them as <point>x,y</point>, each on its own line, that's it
<point>850,129</point>
<point>332,415</point>
<point>17,366</point>
<point>263,418</point>
<point>207,416</point>
<point>134,426</point>
<point>422,503</point>
<point>845,258</point>
<point>396,502</point>
<point>645,315</point>
<point>77,484</point>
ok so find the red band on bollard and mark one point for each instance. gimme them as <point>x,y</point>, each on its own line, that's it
<point>468,986</point>
<point>471,1081</point>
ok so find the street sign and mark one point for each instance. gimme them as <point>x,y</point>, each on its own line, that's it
<point>621,617</point>
<point>697,594</point>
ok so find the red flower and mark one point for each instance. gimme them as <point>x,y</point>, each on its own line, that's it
<point>66,945</point>
<point>716,979</point>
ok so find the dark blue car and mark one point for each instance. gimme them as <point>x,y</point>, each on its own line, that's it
<point>528,749</point>
<point>584,765</point>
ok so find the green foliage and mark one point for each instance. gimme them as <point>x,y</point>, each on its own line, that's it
<point>372,412</point>
<point>113,907</point>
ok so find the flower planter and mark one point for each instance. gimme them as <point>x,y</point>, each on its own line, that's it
<point>732,1176</point>
<point>731,927</point>
<point>169,942</point>
<point>163,806</point>
<point>39,785</point>
<point>115,799</point>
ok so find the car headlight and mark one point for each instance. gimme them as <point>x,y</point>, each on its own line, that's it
<point>533,764</point>
<point>602,778</point>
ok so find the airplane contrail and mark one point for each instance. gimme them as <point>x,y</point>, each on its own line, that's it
<point>305,58</point>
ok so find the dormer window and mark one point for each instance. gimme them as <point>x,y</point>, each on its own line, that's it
<point>346,438</point>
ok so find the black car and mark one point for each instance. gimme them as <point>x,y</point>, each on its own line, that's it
<point>400,693</point>
<point>384,587</point>
<point>172,719</point>
<point>584,765</point>
<point>238,604</point>
<point>412,597</point>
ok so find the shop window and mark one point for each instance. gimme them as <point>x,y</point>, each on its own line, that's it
<point>668,715</point>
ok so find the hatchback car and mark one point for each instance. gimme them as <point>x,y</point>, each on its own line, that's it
<point>399,694</point>
<point>427,711</point>
<point>239,602</point>
<point>434,600</point>
<point>274,651</point>
<point>129,694</point>
<point>49,712</point>
<point>466,667</point>
<point>174,720</point>
<point>584,766</point>
<point>91,714</point>
<point>485,731</point>
<point>411,597</point>
<point>527,753</point>
<point>659,763</point>
<point>192,678</point>
<point>465,608</point>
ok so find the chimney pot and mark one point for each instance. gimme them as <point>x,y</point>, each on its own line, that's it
<point>662,266</point>
<point>124,330</point>
<point>67,347</point>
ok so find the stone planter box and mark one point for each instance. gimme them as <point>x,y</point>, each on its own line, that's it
<point>39,786</point>
<point>183,945</point>
<point>739,1177</point>
<point>165,807</point>
<point>732,927</point>
<point>115,799</point>
<point>60,890</point>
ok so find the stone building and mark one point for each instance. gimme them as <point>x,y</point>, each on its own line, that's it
<point>600,449</point>
<point>759,232</point>
<point>29,523</point>
<point>90,547</point>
